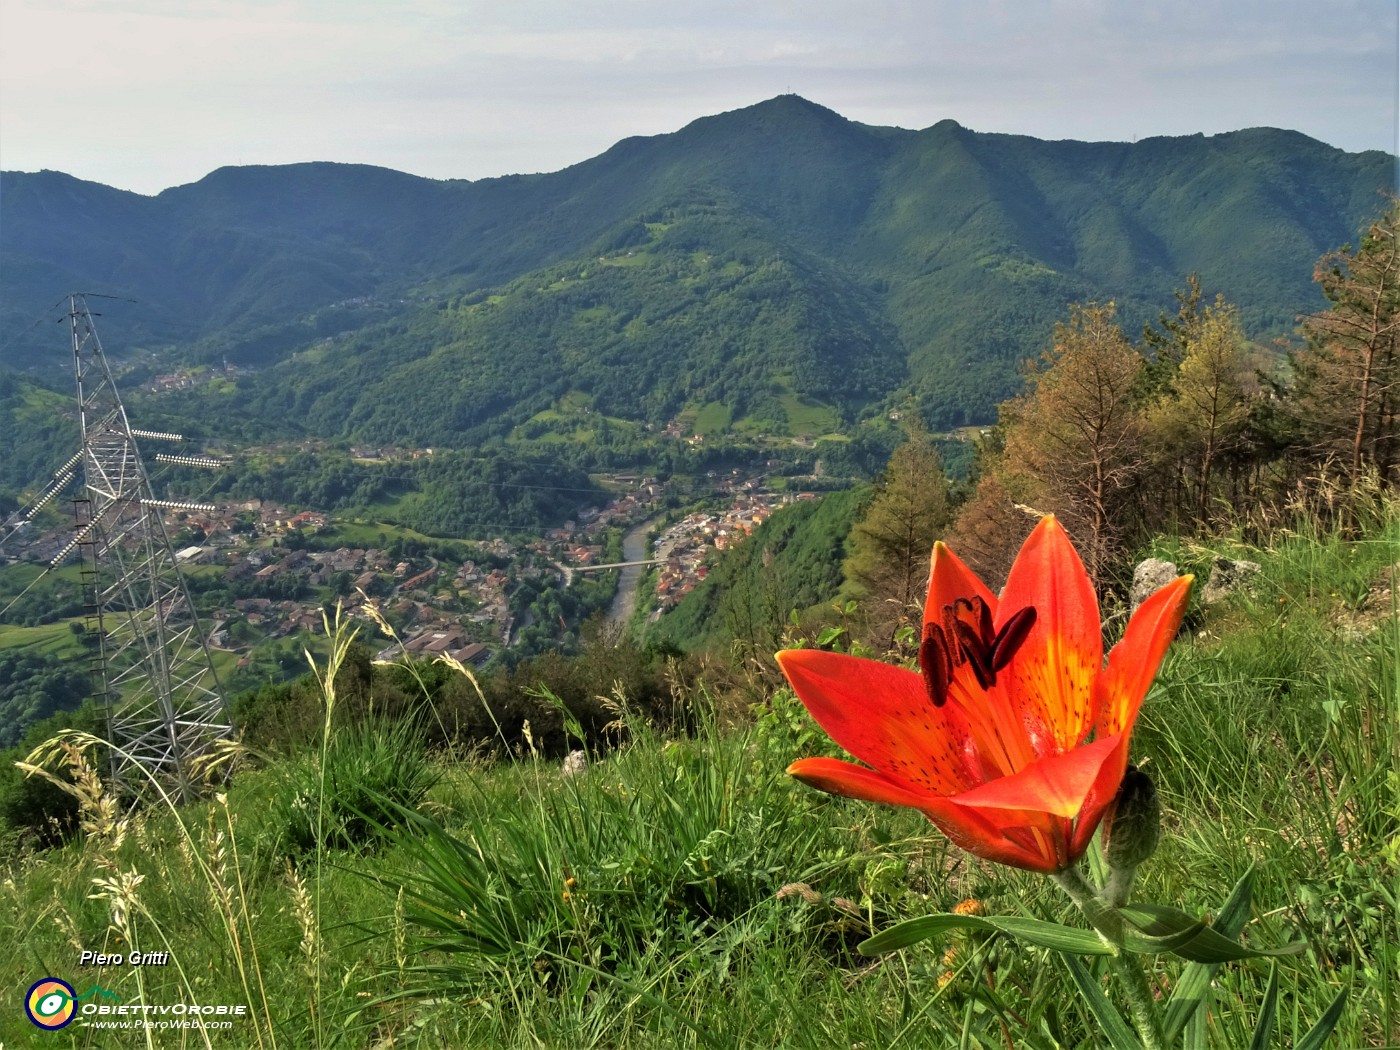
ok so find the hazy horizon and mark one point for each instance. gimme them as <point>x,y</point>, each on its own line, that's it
<point>580,160</point>
<point>154,93</point>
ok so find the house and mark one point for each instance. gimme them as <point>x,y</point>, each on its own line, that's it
<point>238,570</point>
<point>419,580</point>
<point>474,655</point>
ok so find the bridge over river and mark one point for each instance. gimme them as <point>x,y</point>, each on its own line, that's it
<point>615,565</point>
<point>634,563</point>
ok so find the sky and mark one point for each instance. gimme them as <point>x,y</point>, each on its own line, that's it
<point>148,94</point>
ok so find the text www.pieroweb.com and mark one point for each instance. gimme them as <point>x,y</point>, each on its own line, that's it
<point>142,1024</point>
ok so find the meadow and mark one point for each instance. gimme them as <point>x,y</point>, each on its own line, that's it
<point>682,891</point>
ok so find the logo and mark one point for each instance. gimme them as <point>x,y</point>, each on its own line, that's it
<point>50,1003</point>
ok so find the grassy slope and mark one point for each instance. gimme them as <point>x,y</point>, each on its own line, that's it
<point>640,902</point>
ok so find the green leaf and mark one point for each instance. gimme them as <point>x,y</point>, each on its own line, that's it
<point>1193,989</point>
<point>1033,931</point>
<point>1111,1022</point>
<point>1197,1031</point>
<point>1317,1035</point>
<point>1268,1013</point>
<point>1158,920</point>
<point>1173,930</point>
<point>1098,867</point>
<point>1176,942</point>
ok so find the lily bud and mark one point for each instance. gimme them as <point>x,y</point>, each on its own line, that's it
<point>1133,825</point>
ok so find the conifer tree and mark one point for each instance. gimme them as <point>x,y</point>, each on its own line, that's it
<point>1074,437</point>
<point>1165,349</point>
<point>1202,414</point>
<point>889,562</point>
<point>1347,392</point>
<point>989,528</point>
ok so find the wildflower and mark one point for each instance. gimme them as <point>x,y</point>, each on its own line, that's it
<point>1013,736</point>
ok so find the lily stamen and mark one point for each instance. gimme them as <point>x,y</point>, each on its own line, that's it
<point>936,663</point>
<point>1012,635</point>
<point>956,641</point>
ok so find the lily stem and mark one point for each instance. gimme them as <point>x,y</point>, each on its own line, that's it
<point>1111,927</point>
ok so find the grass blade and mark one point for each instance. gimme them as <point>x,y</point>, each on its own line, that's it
<point>1268,1013</point>
<point>1111,1022</point>
<point>1317,1035</point>
<point>1193,989</point>
<point>1033,931</point>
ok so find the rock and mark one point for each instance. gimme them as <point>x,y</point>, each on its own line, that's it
<point>1226,577</point>
<point>575,762</point>
<point>1150,576</point>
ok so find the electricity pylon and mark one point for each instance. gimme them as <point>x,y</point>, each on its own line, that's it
<point>157,684</point>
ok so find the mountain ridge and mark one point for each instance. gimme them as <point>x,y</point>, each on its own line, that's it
<point>961,248</point>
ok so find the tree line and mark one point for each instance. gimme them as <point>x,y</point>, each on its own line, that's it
<point>1189,430</point>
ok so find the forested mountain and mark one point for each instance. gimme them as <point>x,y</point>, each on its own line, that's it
<point>778,260</point>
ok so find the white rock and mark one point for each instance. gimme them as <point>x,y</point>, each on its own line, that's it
<point>575,762</point>
<point>1150,576</point>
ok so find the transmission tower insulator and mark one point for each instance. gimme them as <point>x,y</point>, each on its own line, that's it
<point>192,461</point>
<point>177,504</point>
<point>84,535</point>
<point>57,559</point>
<point>156,435</point>
<point>162,699</point>
<point>58,486</point>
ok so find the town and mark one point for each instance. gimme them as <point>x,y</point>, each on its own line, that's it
<point>259,571</point>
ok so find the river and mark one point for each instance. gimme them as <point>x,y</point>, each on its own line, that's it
<point>634,548</point>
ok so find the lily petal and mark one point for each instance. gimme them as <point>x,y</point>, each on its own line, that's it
<point>852,781</point>
<point>1134,661</point>
<point>1057,785</point>
<point>965,827</point>
<point>949,580</point>
<point>1052,678</point>
<point>1016,847</point>
<point>1101,795</point>
<point>883,716</point>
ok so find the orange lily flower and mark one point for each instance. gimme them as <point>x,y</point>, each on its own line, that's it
<point>1013,737</point>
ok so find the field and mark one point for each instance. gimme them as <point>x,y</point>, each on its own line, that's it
<point>683,892</point>
<point>51,639</point>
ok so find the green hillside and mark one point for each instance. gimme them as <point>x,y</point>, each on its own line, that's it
<point>678,314</point>
<point>774,252</point>
<point>790,564</point>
